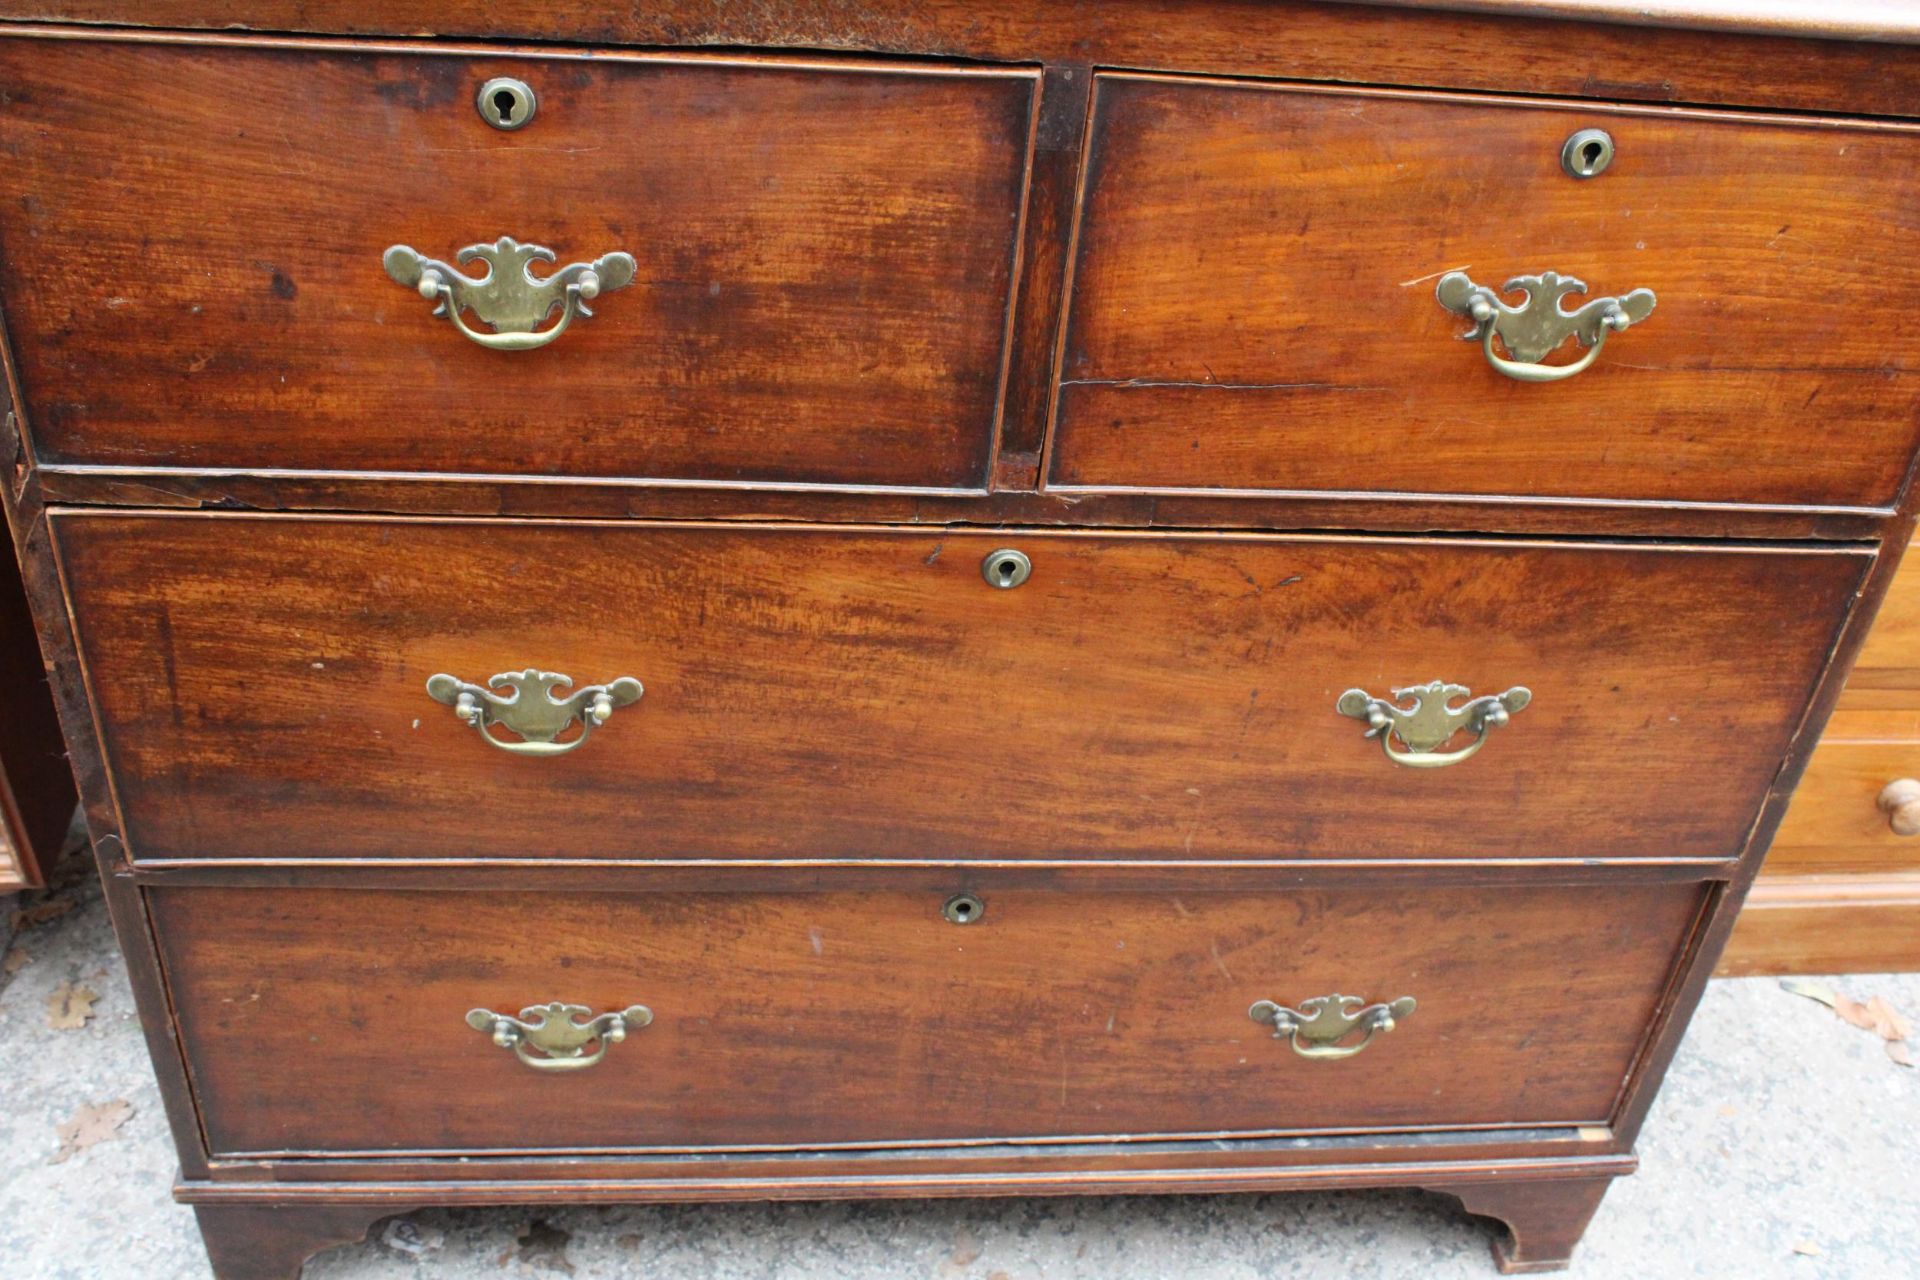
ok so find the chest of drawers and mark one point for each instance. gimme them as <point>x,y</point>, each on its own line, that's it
<point>1841,888</point>
<point>897,600</point>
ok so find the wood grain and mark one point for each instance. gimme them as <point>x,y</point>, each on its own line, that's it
<point>1121,1166</point>
<point>282,754</point>
<point>334,1020</point>
<point>1357,43</point>
<point>615,499</point>
<point>823,693</point>
<point>1886,677</point>
<point>271,1242</point>
<point>1253,300</point>
<point>1840,891</point>
<point>1865,922</point>
<point>1544,1219</point>
<point>825,257</point>
<point>1835,822</point>
<point>1889,20</point>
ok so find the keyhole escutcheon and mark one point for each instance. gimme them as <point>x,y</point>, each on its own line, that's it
<point>505,103</point>
<point>1587,153</point>
<point>1005,568</point>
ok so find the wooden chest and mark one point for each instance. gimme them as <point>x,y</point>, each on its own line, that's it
<point>836,599</point>
<point>1841,888</point>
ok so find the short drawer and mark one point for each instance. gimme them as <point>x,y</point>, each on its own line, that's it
<point>1843,817</point>
<point>820,254</point>
<point>335,1021</point>
<point>263,687</point>
<point>1254,302</point>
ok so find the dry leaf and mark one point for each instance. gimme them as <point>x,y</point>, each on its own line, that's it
<point>90,1125</point>
<point>27,917</point>
<point>1889,1021</point>
<point>1877,1016</point>
<point>1729,1110</point>
<point>1810,989</point>
<point>69,1007</point>
<point>544,1245</point>
<point>1898,1051</point>
<point>17,959</point>
<point>1806,1249</point>
<point>1854,1012</point>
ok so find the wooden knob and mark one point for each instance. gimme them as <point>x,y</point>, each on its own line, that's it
<point>1900,801</point>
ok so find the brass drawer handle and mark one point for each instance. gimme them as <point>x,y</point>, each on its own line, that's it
<point>1430,721</point>
<point>532,710</point>
<point>554,1037</point>
<point>1534,328</point>
<point>509,298</point>
<point>1318,1026</point>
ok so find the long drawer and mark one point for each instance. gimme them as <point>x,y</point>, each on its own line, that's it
<point>264,688</point>
<point>338,1020</point>
<point>818,260</point>
<point>1254,302</point>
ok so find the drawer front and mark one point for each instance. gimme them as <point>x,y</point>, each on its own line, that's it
<point>1886,674</point>
<point>261,683</point>
<point>822,256</point>
<point>1255,301</point>
<point>335,1020</point>
<point>1839,821</point>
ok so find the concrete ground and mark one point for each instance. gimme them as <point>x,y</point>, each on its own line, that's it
<point>1785,1143</point>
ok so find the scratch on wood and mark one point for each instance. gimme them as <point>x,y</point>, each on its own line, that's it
<point>1219,963</point>
<point>1130,384</point>
<point>1408,284</point>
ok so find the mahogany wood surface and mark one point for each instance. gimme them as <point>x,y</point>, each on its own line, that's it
<point>1168,635</point>
<point>1890,20</point>
<point>1221,337</point>
<point>1544,1218</point>
<point>334,1021</point>
<point>1110,1164</point>
<point>825,254</point>
<point>1357,43</point>
<point>312,1216</point>
<point>271,1242</point>
<point>822,693</point>
<point>618,499</point>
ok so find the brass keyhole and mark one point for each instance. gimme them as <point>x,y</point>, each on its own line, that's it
<point>963,908</point>
<point>505,103</point>
<point>1006,569</point>
<point>1587,153</point>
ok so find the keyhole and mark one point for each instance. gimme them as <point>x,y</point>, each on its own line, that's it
<point>1587,153</point>
<point>505,103</point>
<point>962,908</point>
<point>1005,569</point>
